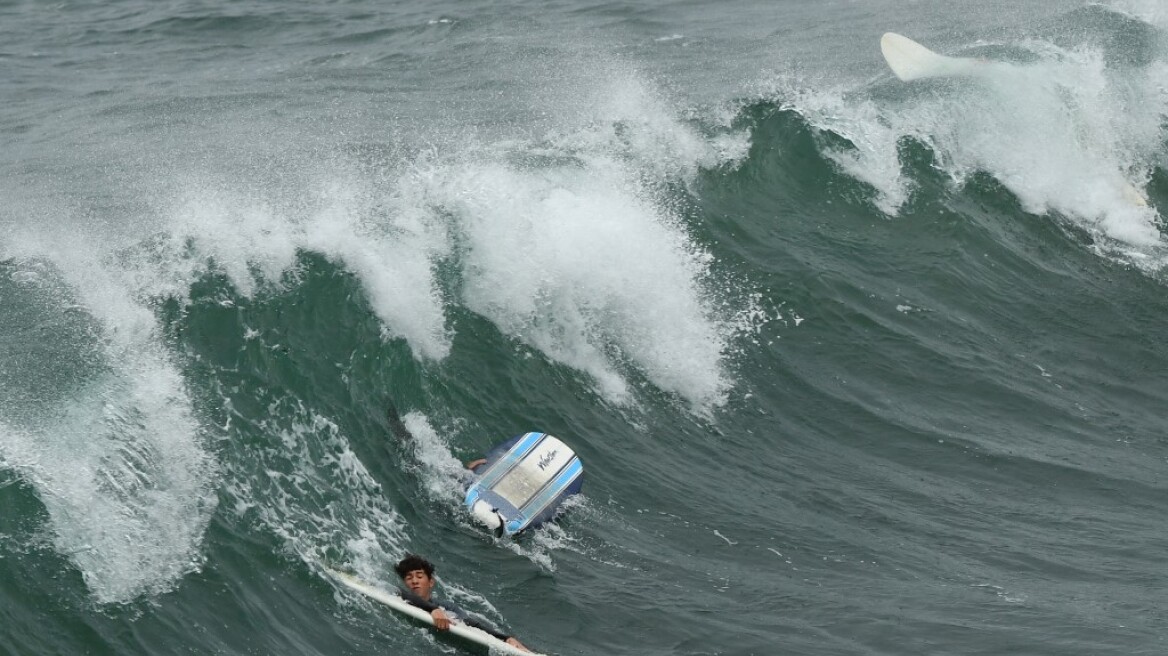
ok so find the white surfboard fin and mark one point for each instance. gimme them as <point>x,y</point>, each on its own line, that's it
<point>910,60</point>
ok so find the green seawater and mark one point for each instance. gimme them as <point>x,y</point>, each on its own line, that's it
<point>855,366</point>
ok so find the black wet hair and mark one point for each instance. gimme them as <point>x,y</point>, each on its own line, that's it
<point>414,562</point>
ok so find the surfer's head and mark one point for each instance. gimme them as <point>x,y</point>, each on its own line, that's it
<point>417,573</point>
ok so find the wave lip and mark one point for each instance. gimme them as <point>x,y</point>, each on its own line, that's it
<point>1064,128</point>
<point>577,265</point>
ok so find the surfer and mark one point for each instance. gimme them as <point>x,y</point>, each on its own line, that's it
<point>417,574</point>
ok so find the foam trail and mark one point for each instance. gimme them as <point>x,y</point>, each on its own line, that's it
<point>1070,157</point>
<point>444,476</point>
<point>875,158</point>
<point>394,253</point>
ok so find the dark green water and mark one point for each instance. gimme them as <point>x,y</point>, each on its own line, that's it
<point>855,366</point>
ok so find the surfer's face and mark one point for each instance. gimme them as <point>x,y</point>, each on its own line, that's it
<point>419,583</point>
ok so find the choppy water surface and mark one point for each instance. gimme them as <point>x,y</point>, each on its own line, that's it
<point>857,366</point>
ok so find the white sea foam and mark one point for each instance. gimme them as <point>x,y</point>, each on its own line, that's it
<point>294,474</point>
<point>585,260</point>
<point>383,239</point>
<point>577,264</point>
<point>875,158</point>
<point>1066,134</point>
<point>119,463</point>
<point>1153,12</point>
<point>565,240</point>
<point>443,475</point>
<point>565,243</point>
<point>125,485</point>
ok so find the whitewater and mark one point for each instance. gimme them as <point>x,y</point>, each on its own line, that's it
<point>857,365</point>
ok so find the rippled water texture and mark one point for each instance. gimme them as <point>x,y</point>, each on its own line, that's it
<point>856,365</point>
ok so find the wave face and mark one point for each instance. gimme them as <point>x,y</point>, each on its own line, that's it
<point>855,365</point>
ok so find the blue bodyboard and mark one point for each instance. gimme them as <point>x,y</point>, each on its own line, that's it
<point>524,482</point>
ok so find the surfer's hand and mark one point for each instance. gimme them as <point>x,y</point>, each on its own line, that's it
<point>441,622</point>
<point>515,643</point>
<point>475,463</point>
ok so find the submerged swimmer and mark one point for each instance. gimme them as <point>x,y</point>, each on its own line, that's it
<point>417,574</point>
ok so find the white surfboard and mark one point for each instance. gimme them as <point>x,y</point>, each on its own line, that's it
<point>394,601</point>
<point>910,60</point>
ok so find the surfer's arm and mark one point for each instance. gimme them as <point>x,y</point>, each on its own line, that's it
<point>494,453</point>
<point>515,643</point>
<point>441,619</point>
<point>487,628</point>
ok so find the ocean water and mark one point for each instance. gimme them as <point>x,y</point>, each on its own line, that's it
<point>856,366</point>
